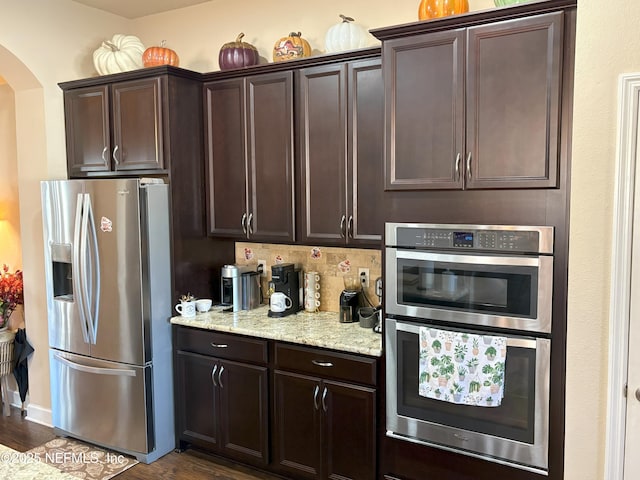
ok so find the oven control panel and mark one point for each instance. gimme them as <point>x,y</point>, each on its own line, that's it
<point>461,237</point>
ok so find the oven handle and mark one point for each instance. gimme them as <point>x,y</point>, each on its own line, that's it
<point>511,341</point>
<point>519,261</point>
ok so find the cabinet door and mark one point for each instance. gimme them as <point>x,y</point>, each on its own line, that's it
<point>365,151</point>
<point>270,157</point>
<point>196,406</point>
<point>321,93</point>
<point>138,125</point>
<point>87,129</point>
<point>424,105</point>
<point>225,158</point>
<point>513,102</point>
<point>297,424</point>
<point>244,422</point>
<point>349,434</point>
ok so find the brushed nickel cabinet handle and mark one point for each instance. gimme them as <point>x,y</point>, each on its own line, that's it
<point>250,223</point>
<point>213,375</point>
<point>458,166</point>
<point>350,226</point>
<point>242,222</point>
<point>115,159</point>
<point>469,165</point>
<point>324,399</point>
<point>342,220</point>
<point>321,363</point>
<point>315,397</point>
<point>219,345</point>
<point>104,151</point>
<point>220,376</point>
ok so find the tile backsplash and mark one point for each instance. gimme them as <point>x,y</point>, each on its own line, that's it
<point>331,263</point>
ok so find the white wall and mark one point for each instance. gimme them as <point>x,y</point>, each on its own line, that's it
<point>607,45</point>
<point>196,33</point>
<point>55,45</point>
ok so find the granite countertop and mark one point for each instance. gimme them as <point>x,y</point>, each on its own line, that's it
<point>320,329</point>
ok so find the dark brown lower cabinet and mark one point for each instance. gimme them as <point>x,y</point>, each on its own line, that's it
<point>300,412</point>
<point>222,405</point>
<point>323,429</point>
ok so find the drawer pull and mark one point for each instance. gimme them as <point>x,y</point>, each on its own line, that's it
<point>321,363</point>
<point>219,345</point>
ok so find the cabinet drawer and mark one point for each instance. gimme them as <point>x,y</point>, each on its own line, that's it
<point>221,345</point>
<point>340,366</point>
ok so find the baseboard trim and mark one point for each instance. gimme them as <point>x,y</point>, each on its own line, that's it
<point>35,413</point>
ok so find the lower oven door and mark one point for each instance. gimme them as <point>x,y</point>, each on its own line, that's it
<point>515,433</point>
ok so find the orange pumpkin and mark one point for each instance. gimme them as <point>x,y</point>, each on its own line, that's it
<point>154,56</point>
<point>429,9</point>
<point>291,48</point>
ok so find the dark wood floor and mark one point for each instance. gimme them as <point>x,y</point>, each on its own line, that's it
<point>22,435</point>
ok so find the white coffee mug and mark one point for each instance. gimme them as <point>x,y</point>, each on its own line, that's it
<point>312,302</point>
<point>312,280</point>
<point>279,302</point>
<point>310,291</point>
<point>186,309</point>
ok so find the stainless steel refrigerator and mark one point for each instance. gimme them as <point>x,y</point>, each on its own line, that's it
<point>108,286</point>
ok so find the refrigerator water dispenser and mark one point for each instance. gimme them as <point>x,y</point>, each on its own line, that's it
<point>61,271</point>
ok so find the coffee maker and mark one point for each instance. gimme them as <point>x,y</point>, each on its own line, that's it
<point>231,286</point>
<point>350,300</point>
<point>287,278</point>
<point>239,287</point>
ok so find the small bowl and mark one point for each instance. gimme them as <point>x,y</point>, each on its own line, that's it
<point>203,305</point>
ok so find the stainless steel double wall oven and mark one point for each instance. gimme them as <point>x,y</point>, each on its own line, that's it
<point>478,279</point>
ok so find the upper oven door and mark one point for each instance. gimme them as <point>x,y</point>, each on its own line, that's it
<point>511,292</point>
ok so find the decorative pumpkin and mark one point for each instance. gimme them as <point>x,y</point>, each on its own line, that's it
<point>121,54</point>
<point>291,48</point>
<point>429,9</point>
<point>237,54</point>
<point>345,36</point>
<point>154,56</point>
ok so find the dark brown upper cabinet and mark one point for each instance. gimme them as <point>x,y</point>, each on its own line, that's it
<point>340,120</point>
<point>116,127</point>
<point>249,157</point>
<point>475,107</point>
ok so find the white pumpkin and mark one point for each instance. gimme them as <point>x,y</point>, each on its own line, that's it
<point>346,36</point>
<point>121,54</point>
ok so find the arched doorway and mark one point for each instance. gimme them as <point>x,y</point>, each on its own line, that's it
<point>10,248</point>
<point>30,164</point>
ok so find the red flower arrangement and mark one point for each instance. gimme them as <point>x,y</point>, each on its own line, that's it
<point>11,293</point>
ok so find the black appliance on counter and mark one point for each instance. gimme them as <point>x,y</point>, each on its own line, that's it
<point>287,278</point>
<point>351,299</point>
<point>350,302</point>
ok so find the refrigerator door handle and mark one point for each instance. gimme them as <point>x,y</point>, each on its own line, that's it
<point>92,269</point>
<point>96,370</point>
<point>77,283</point>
